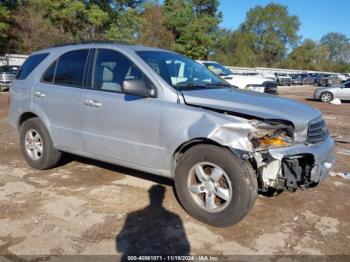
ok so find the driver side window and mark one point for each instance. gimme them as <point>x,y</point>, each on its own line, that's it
<point>347,85</point>
<point>112,69</point>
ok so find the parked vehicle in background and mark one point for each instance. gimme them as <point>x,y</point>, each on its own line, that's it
<point>248,74</point>
<point>7,74</point>
<point>296,79</point>
<point>327,94</point>
<point>329,80</point>
<point>342,77</point>
<point>308,79</point>
<point>270,76</point>
<point>253,83</point>
<point>165,114</point>
<point>283,79</point>
<point>317,77</point>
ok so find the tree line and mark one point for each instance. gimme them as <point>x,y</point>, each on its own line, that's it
<point>268,37</point>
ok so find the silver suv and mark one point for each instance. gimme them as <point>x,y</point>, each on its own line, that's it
<point>160,112</point>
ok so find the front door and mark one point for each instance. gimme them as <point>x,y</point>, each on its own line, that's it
<point>119,126</point>
<point>344,91</point>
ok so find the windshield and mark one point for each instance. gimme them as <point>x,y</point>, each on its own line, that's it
<point>180,71</point>
<point>218,69</point>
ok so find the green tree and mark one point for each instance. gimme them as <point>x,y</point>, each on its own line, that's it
<point>306,56</point>
<point>7,7</point>
<point>81,19</point>
<point>338,45</point>
<point>125,26</point>
<point>194,25</point>
<point>32,31</point>
<point>153,18</point>
<point>4,21</point>
<point>274,31</point>
<point>236,49</point>
<point>125,19</point>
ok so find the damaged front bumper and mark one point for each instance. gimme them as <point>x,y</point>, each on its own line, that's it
<point>295,166</point>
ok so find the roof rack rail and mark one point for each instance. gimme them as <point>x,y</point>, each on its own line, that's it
<point>93,42</point>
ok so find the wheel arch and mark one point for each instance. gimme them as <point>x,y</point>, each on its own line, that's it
<point>181,149</point>
<point>24,117</point>
<point>32,114</point>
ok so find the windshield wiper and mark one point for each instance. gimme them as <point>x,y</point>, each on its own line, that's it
<point>192,85</point>
<point>189,85</point>
<point>218,84</point>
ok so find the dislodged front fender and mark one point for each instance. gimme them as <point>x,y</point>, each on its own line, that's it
<point>225,130</point>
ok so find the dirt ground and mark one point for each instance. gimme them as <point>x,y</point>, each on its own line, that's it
<point>89,207</point>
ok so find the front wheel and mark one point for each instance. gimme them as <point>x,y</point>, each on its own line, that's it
<point>215,186</point>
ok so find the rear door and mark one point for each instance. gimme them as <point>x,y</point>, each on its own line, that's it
<point>116,125</point>
<point>59,96</point>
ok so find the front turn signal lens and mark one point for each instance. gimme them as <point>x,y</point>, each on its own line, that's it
<point>273,141</point>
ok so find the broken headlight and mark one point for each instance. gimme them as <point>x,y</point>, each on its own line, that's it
<point>271,135</point>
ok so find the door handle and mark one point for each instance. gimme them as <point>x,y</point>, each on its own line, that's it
<point>93,103</point>
<point>39,94</point>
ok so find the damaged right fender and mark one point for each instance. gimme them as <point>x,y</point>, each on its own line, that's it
<point>223,129</point>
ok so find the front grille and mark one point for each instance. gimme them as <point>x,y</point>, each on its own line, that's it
<point>318,131</point>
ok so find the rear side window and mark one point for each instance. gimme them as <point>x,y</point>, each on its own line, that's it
<point>70,68</point>
<point>30,64</point>
<point>50,73</point>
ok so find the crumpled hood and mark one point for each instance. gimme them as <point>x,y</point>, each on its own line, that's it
<point>253,104</point>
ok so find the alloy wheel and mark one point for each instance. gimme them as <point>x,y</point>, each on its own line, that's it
<point>209,186</point>
<point>33,144</point>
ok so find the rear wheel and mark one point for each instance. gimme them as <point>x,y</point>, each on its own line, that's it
<point>36,145</point>
<point>214,186</point>
<point>326,97</point>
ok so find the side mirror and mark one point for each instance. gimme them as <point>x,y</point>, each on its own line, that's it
<point>137,88</point>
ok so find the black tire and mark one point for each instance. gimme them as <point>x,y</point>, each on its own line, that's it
<point>50,156</point>
<point>326,96</point>
<point>240,173</point>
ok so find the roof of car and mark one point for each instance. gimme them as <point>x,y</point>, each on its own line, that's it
<point>95,44</point>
